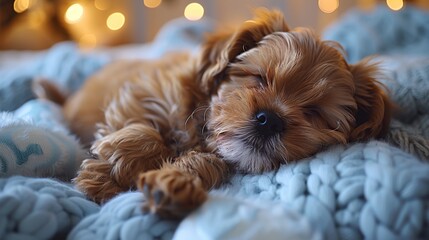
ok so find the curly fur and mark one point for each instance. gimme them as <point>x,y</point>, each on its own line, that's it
<point>196,117</point>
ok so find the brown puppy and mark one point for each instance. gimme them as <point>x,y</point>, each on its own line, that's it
<point>85,109</point>
<point>256,97</point>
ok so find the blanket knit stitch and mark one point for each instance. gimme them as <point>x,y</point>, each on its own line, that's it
<point>371,191</point>
<point>407,79</point>
<point>34,208</point>
<point>122,218</point>
<point>381,31</point>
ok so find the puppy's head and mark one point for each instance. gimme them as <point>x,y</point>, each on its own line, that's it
<point>279,95</point>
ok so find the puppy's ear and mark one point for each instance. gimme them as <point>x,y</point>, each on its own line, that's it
<point>373,106</point>
<point>223,48</point>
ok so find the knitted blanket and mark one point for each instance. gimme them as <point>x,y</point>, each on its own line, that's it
<point>373,190</point>
<point>40,208</point>
<point>382,31</point>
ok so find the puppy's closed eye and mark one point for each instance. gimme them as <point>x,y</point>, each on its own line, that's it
<point>314,115</point>
<point>260,79</point>
<point>248,80</point>
<point>312,112</point>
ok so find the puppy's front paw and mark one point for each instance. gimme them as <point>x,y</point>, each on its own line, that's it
<point>171,193</point>
<point>95,180</point>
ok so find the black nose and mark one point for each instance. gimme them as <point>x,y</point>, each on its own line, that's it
<point>268,123</point>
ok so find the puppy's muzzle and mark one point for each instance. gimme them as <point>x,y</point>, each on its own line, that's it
<point>268,123</point>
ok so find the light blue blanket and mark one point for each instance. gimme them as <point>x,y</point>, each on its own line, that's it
<point>41,208</point>
<point>382,31</point>
<point>371,191</point>
<point>367,190</point>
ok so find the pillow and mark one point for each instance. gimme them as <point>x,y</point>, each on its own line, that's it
<point>35,142</point>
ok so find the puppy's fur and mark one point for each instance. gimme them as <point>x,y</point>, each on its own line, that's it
<point>254,98</point>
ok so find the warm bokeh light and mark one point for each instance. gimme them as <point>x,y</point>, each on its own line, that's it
<point>194,11</point>
<point>74,13</point>
<point>88,41</point>
<point>101,4</point>
<point>328,6</point>
<point>395,4</point>
<point>115,21</point>
<point>152,3</point>
<point>21,5</point>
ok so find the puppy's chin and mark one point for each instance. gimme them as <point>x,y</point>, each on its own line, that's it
<point>245,157</point>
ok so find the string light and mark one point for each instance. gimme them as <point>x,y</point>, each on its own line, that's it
<point>21,5</point>
<point>115,21</point>
<point>395,4</point>
<point>74,13</point>
<point>328,6</point>
<point>194,11</point>
<point>152,3</point>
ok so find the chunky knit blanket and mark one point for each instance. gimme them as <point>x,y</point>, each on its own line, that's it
<point>382,31</point>
<point>372,190</point>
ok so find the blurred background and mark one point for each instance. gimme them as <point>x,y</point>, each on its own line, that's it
<point>38,24</point>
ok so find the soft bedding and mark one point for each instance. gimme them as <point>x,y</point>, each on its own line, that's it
<point>371,190</point>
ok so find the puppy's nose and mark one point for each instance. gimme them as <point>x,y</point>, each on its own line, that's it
<point>268,123</point>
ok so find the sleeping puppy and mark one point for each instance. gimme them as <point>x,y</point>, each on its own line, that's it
<point>255,98</point>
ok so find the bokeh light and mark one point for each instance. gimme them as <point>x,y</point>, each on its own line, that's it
<point>194,11</point>
<point>115,21</point>
<point>74,13</point>
<point>21,5</point>
<point>395,4</point>
<point>152,3</point>
<point>328,6</point>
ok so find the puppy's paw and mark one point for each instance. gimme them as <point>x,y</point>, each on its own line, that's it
<point>95,180</point>
<point>171,193</point>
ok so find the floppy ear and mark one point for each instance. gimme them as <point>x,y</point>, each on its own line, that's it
<point>222,48</point>
<point>373,106</point>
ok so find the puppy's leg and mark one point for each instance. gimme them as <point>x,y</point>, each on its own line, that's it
<point>128,143</point>
<point>122,155</point>
<point>180,187</point>
<point>94,179</point>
